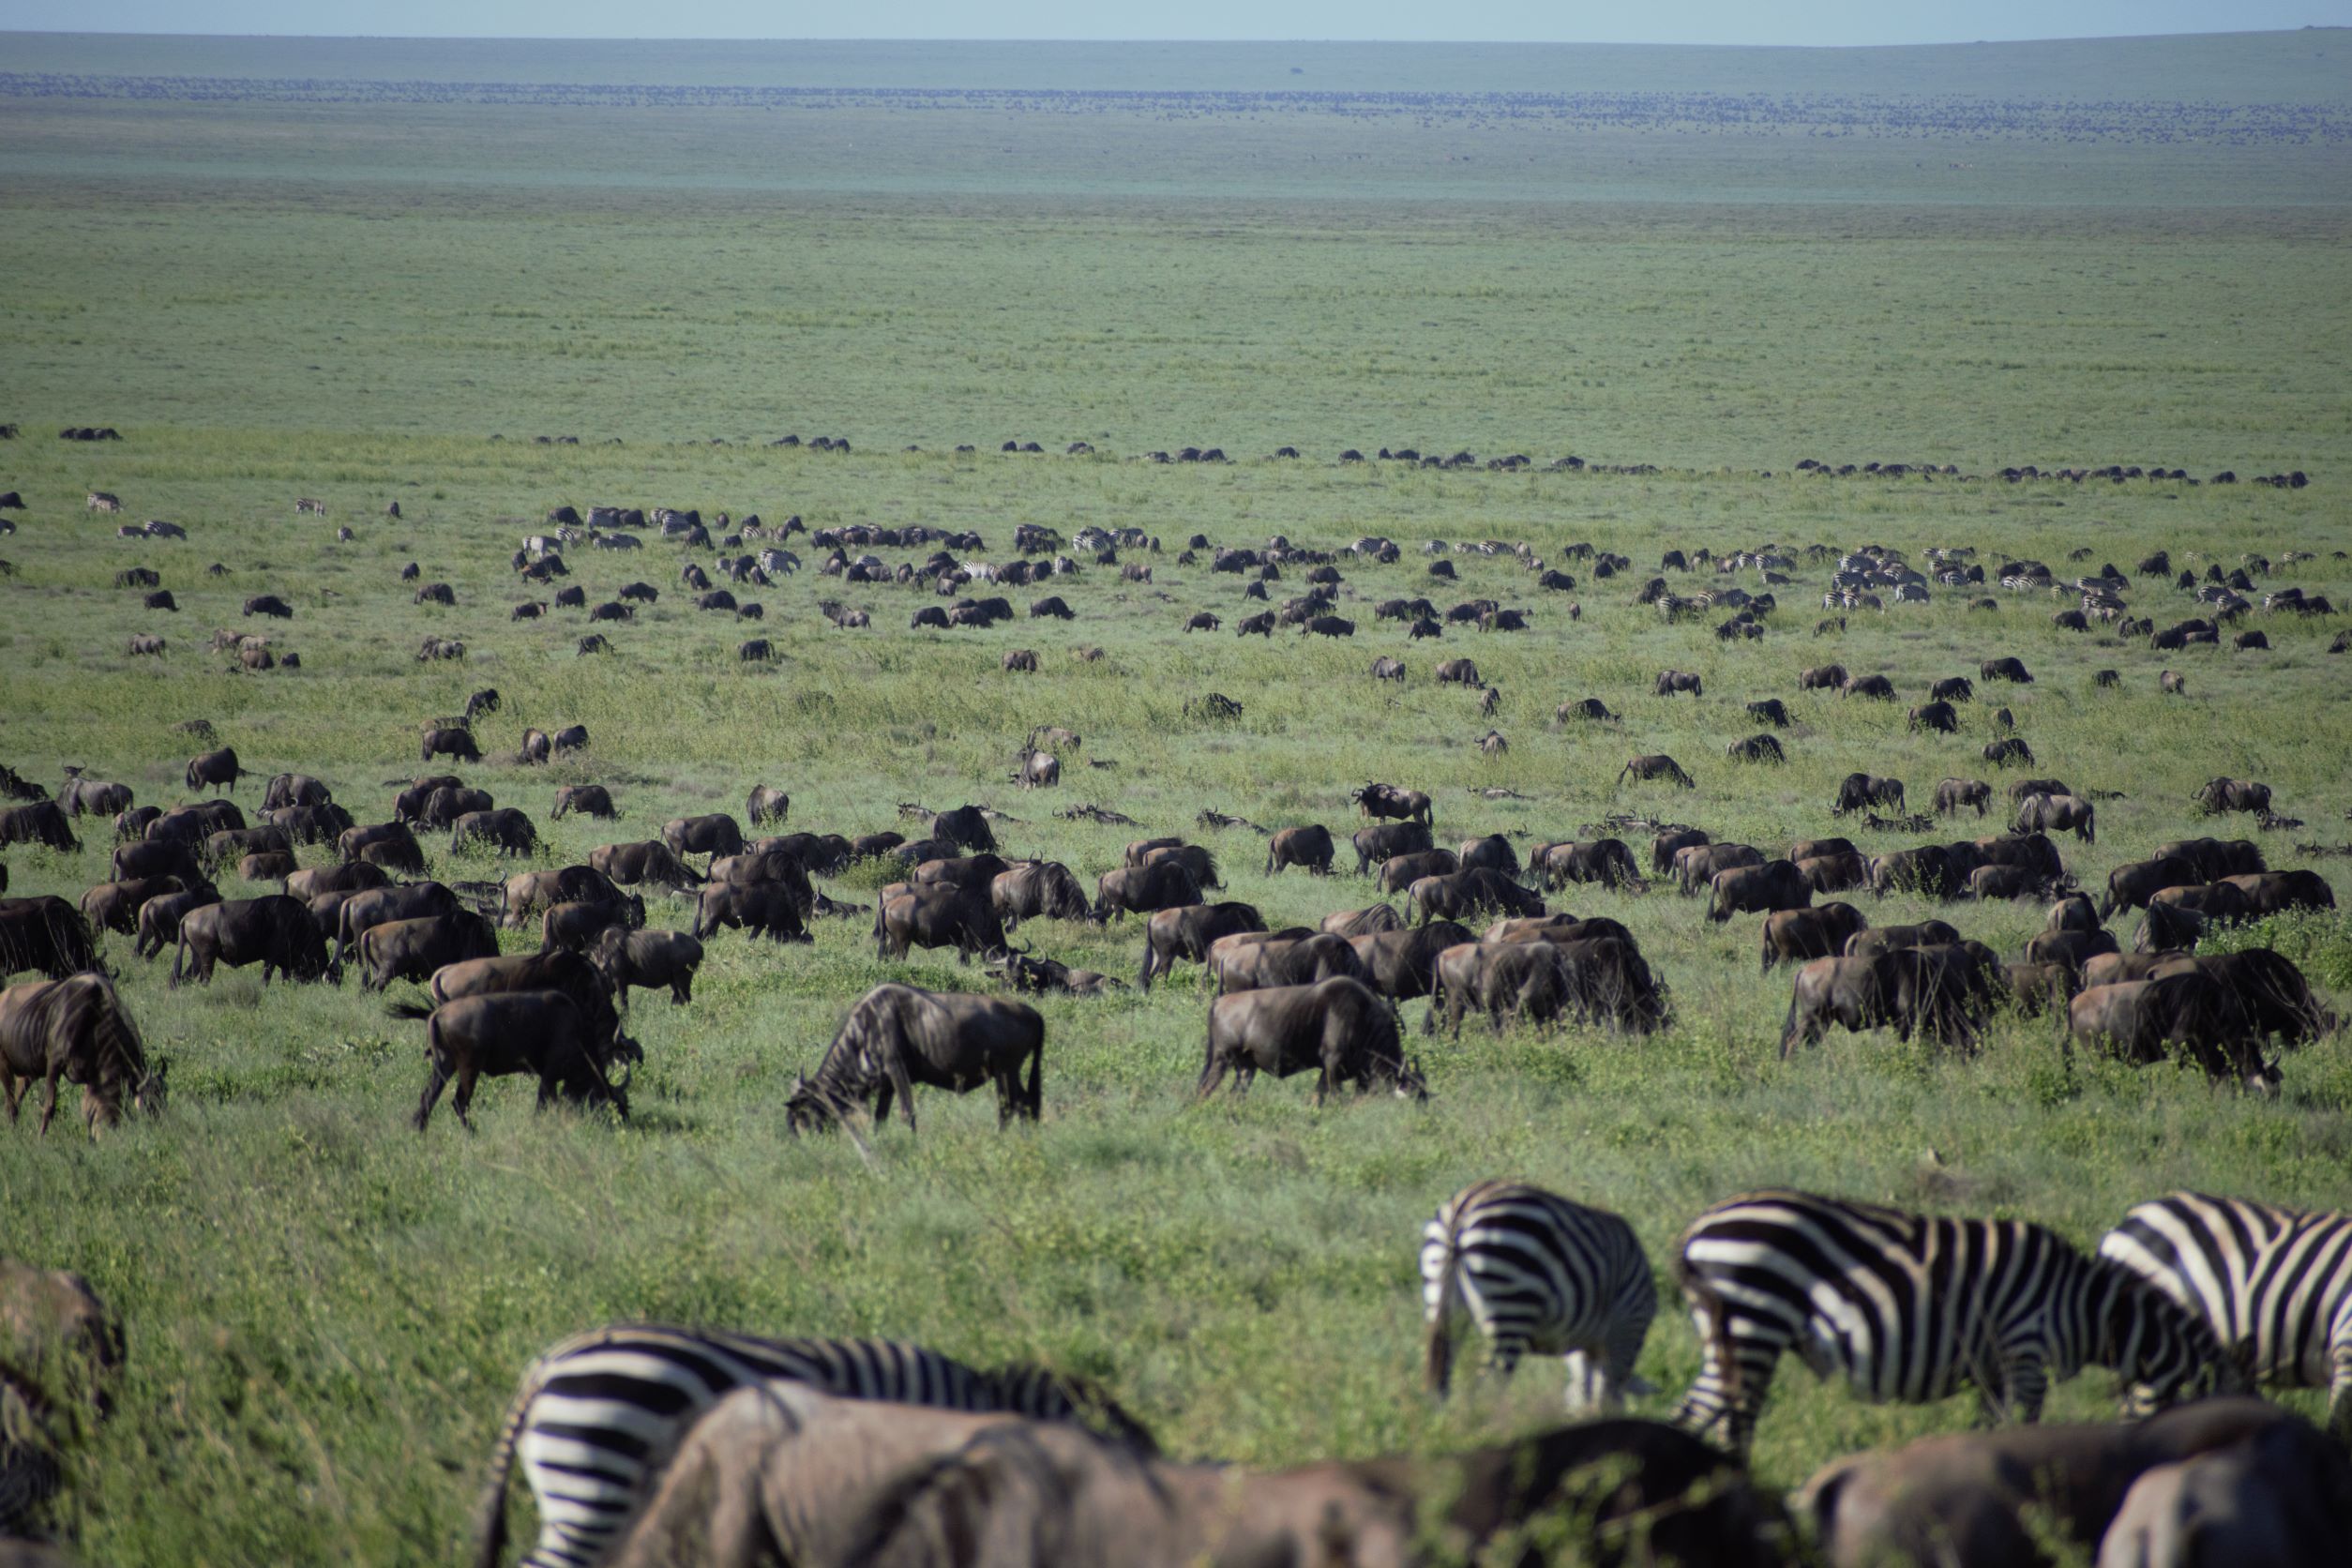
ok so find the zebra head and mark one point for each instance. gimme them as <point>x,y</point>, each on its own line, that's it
<point>2160,1352</point>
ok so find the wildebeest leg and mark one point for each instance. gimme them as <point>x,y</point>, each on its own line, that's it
<point>1212,1071</point>
<point>436,1076</point>
<point>463,1099</point>
<point>56,1072</point>
<point>681,989</point>
<point>895,1068</point>
<point>13,1089</point>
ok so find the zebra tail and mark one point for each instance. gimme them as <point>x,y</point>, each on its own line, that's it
<point>1438,1343</point>
<point>1716,1329</point>
<point>490,1514</point>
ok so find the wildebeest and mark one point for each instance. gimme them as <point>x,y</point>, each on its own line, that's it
<point>1340,1027</point>
<point>645,862</point>
<point>374,906</point>
<point>2008,751</point>
<point>1670,842</point>
<point>1859,792</point>
<point>160,919</point>
<point>74,1029</point>
<point>2233,794</point>
<point>2004,670</point>
<point>214,770</point>
<point>269,604</point>
<point>589,800</point>
<point>2131,884</point>
<point>1458,671</point>
<point>774,908</point>
<point>276,932</point>
<point>1672,681</point>
<point>1187,932</point>
<point>1141,889</point>
<point>1401,964</point>
<point>294,789</point>
<point>1954,793</point>
<point>1364,922</point>
<point>966,825</point>
<point>501,1033</point>
<point>505,829</point>
<point>1387,801</point>
<point>1776,884</point>
<point>649,959</point>
<point>1591,709</point>
<point>114,906</point>
<point>1876,687</point>
<point>715,834</point>
<point>1769,710</point>
<point>1941,717</point>
<point>1308,845</point>
<point>579,923</point>
<point>448,741</point>
<point>2277,891</point>
<point>2057,814</point>
<point>561,970</point>
<point>1820,931</point>
<point>1756,749</point>
<point>94,797</point>
<point>1386,669</point>
<point>413,949</point>
<point>41,822</point>
<point>897,1037</point>
<point>2138,1020</point>
<point>1037,889</point>
<point>1653,766</point>
<point>1460,894</point>
<point>2216,858</point>
<point>1282,961</point>
<point>766,805</point>
<point>1695,865</point>
<point>1381,842</point>
<point>1604,861</point>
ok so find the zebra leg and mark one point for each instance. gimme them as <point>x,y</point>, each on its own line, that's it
<point>2340,1378</point>
<point>2023,1382</point>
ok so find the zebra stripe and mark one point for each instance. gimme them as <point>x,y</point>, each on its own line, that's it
<point>601,1412</point>
<point>1908,1307</point>
<point>2275,1285</point>
<point>1539,1273</point>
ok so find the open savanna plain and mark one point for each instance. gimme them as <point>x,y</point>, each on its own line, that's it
<point>347,297</point>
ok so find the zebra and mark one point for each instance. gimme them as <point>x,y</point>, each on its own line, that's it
<point>599,1414</point>
<point>2275,1285</point>
<point>1908,1307</point>
<point>1539,1273</point>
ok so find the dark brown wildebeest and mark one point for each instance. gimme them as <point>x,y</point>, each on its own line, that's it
<point>2277,999</point>
<point>2277,891</point>
<point>2057,814</point>
<point>1824,677</point>
<point>1776,884</point>
<point>1379,843</point>
<point>448,741</point>
<point>156,857</point>
<point>937,914</point>
<point>1952,688</point>
<point>1458,671</point>
<point>766,805</point>
<point>562,971</point>
<point>1591,709</point>
<point>1695,866</point>
<point>413,949</point>
<point>114,906</point>
<point>1187,932</point>
<point>1653,766</point>
<point>41,822</point>
<point>1328,625</point>
<point>715,834</point>
<point>1142,889</point>
<point>1859,792</point>
<point>2011,882</point>
<point>375,906</point>
<point>1019,661</point>
<point>976,871</point>
<point>1364,922</point>
<point>1772,711</point>
<point>645,862</point>
<point>1802,935</point>
<point>651,960</point>
<point>159,918</point>
<point>1036,890</point>
<point>1340,1027</point>
<point>2137,1021</point>
<point>1387,801</point>
<point>214,770</point>
<point>276,932</point>
<point>1604,861</point>
<point>1756,749</point>
<point>1400,871</point>
<point>1873,941</point>
<point>2070,950</point>
<point>47,934</point>
<point>1834,873</point>
<point>1402,964</point>
<point>535,748</point>
<point>1672,841</point>
<point>2004,670</point>
<point>507,830</point>
<point>1459,894</point>
<point>1809,849</point>
<point>264,866</point>
<point>75,1030</point>
<point>967,826</point>
<point>2131,884</point>
<point>1386,669</point>
<point>1309,846</point>
<point>2008,751</point>
<point>527,891</point>
<point>898,1036</point>
<point>589,800</point>
<point>1940,717</point>
<point>194,824</point>
<point>572,737</point>
<point>438,801</point>
<point>269,604</point>
<point>542,1033</point>
<point>1876,687</point>
<point>579,924</point>
<point>2216,858</point>
<point>1672,681</point>
<point>294,789</point>
<point>2233,794</point>
<point>310,825</point>
<point>2173,683</point>
<point>94,797</point>
<point>1282,961</point>
<point>1492,852</point>
<point>1954,793</point>
<point>1847,992</point>
<point>221,848</point>
<point>775,908</point>
<point>132,825</point>
<point>1204,620</point>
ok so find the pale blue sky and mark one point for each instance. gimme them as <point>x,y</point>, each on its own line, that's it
<point>1725,21</point>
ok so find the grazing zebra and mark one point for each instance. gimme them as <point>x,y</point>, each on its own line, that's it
<point>601,1414</point>
<point>1539,1273</point>
<point>1910,1307</point>
<point>2275,1285</point>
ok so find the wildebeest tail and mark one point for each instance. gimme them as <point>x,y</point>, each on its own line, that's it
<point>408,1010</point>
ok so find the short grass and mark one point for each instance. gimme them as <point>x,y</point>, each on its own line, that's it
<point>328,1313</point>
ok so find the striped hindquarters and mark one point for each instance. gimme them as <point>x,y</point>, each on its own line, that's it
<point>2275,1285</point>
<point>601,1414</point>
<point>1536,1273</point>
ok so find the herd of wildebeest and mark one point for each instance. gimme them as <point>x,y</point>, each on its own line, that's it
<point>801,1452</point>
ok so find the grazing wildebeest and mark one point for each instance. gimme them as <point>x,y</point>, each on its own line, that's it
<point>1384,841</point>
<point>1952,688</point>
<point>1839,872</point>
<point>374,906</point>
<point>1400,871</point>
<point>114,906</point>
<point>2138,1020</point>
<point>1695,865</point>
<point>2216,858</point>
<point>500,1034</point>
<point>1802,935</point>
<point>1037,889</point>
<point>562,971</point>
<point>1591,709</point>
<point>505,829</point>
<point>579,923</point>
<point>1656,765</point>
<point>967,826</point>
<point>1671,681</point>
<point>1954,793</point>
<point>449,741</point>
<point>589,800</point>
<point>2233,794</point>
<point>41,822</point>
<point>1401,964</point>
<point>644,862</point>
<point>649,959</point>
<point>1876,687</point>
<point>1339,1027</point>
<point>1308,845</point>
<point>1770,710</point>
<point>2004,670</point>
<point>1859,792</point>
<point>74,1029</point>
<point>2057,814</point>
<point>766,805</point>
<point>1776,884</point>
<point>294,789</point>
<point>716,834</point>
<point>1364,922</point>
<point>1604,861</point>
<point>778,909</point>
<point>276,932</point>
<point>1386,800</point>
<point>1756,749</point>
<point>160,919</point>
<point>1187,931</point>
<point>1141,889</point>
<point>2131,884</point>
<point>1467,893</point>
<point>1282,961</point>
<point>413,949</point>
<point>937,914</point>
<point>897,1037</point>
<point>2008,751</point>
<point>1941,717</point>
<point>2277,891</point>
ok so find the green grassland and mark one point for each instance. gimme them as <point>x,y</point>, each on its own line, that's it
<point>327,1313</point>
